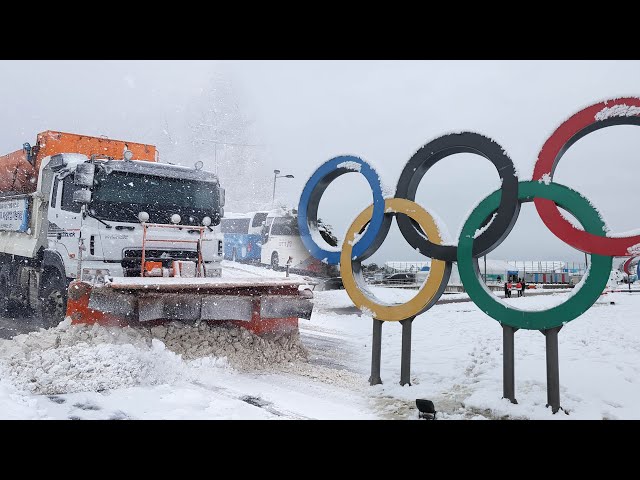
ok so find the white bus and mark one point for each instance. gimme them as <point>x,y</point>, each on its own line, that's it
<point>281,244</point>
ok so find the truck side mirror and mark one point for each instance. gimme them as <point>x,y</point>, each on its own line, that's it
<point>84,174</point>
<point>57,162</point>
<point>222,199</point>
<point>82,196</point>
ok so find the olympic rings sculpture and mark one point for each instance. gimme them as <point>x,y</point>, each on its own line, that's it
<point>485,228</point>
<point>626,266</point>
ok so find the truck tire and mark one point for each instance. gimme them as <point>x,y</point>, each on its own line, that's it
<point>274,260</point>
<point>53,306</point>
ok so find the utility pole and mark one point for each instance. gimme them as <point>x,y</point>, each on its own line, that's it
<point>276,175</point>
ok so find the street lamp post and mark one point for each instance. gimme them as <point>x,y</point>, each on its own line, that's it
<point>276,174</point>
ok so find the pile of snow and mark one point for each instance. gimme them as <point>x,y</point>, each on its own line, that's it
<point>79,358</point>
<point>74,359</point>
<point>242,348</point>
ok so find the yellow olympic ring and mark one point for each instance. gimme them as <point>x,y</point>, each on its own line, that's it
<point>355,285</point>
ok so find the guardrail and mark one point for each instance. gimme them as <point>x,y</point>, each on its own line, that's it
<point>459,288</point>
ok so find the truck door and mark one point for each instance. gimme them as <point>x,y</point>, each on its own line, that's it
<point>65,222</point>
<point>54,233</point>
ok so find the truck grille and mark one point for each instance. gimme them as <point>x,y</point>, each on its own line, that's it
<point>131,263</point>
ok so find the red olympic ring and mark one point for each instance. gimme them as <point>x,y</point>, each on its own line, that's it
<point>627,265</point>
<point>619,111</point>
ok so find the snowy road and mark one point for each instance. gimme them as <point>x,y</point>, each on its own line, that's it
<point>10,327</point>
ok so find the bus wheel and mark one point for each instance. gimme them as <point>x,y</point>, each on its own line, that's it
<point>274,260</point>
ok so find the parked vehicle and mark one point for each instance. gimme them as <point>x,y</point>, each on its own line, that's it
<point>334,283</point>
<point>400,279</point>
<point>281,245</point>
<point>243,236</point>
<point>82,231</point>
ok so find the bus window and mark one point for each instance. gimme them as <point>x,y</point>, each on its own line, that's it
<point>258,219</point>
<point>285,226</point>
<point>265,230</point>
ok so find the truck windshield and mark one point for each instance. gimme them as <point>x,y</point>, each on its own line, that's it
<point>120,196</point>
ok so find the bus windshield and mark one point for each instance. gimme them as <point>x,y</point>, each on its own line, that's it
<point>285,226</point>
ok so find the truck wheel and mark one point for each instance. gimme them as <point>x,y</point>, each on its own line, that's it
<point>274,260</point>
<point>54,300</point>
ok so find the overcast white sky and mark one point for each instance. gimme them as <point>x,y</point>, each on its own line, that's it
<point>309,111</point>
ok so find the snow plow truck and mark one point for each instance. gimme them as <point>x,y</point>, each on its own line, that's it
<point>103,232</point>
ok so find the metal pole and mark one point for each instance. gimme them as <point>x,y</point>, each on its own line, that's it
<point>200,262</point>
<point>80,244</point>
<point>144,246</point>
<point>508,369</point>
<point>376,352</point>
<point>553,369</point>
<point>405,364</point>
<point>485,269</point>
<point>275,175</point>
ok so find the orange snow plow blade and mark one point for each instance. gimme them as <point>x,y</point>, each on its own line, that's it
<point>260,305</point>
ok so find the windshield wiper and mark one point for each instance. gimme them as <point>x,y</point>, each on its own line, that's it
<point>99,219</point>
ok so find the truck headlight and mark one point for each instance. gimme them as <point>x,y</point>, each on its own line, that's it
<point>95,275</point>
<point>212,271</point>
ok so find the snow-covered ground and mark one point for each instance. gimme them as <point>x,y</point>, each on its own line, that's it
<point>457,360</point>
<point>79,372</point>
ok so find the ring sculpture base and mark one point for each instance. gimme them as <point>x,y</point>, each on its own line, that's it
<point>508,369</point>
<point>553,369</point>
<point>405,362</point>
<point>376,352</point>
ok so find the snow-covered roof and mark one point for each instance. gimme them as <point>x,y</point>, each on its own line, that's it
<point>235,215</point>
<point>543,265</point>
<point>396,265</point>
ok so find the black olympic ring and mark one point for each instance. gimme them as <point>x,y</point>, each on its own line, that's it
<point>429,155</point>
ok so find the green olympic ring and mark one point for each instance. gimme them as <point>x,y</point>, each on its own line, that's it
<point>593,284</point>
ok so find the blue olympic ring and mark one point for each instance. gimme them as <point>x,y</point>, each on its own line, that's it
<point>310,199</point>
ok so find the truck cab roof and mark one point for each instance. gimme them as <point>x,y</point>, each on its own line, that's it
<point>139,167</point>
